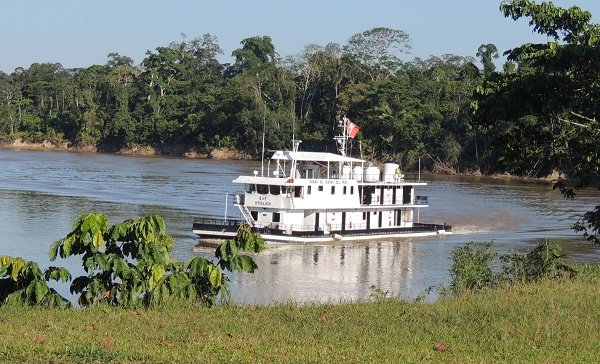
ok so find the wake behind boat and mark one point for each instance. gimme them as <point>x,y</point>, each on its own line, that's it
<point>322,197</point>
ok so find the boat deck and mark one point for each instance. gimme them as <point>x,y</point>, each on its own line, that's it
<point>221,228</point>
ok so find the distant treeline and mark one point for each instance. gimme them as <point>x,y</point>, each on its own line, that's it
<point>181,96</point>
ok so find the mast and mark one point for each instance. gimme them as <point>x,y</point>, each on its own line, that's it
<point>262,163</point>
<point>342,139</point>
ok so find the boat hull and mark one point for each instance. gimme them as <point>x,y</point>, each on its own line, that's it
<point>212,229</point>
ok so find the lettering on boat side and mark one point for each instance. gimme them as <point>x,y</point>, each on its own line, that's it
<point>262,201</point>
<point>328,181</point>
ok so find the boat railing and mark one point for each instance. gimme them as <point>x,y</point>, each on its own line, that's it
<point>366,177</point>
<point>218,221</point>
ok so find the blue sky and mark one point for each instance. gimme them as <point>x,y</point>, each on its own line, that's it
<point>82,33</point>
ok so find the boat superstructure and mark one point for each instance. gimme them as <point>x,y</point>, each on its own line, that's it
<point>321,196</point>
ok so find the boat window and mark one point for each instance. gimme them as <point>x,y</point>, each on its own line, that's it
<point>251,188</point>
<point>406,195</point>
<point>276,217</point>
<point>254,215</point>
<point>344,190</point>
<point>262,189</point>
<point>320,188</point>
<point>333,190</point>
<point>298,192</point>
<point>352,190</point>
<point>309,190</point>
<point>274,190</point>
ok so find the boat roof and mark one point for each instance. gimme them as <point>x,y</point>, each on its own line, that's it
<point>314,156</point>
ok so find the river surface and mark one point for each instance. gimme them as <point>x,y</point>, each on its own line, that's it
<point>42,193</point>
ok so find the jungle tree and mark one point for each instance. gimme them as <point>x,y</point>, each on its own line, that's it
<point>543,116</point>
<point>268,90</point>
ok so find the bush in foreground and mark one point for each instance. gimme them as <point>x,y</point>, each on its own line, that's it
<point>127,264</point>
<point>472,266</point>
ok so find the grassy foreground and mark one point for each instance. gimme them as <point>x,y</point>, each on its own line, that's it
<point>547,322</point>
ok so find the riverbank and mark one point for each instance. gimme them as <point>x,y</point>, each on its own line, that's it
<point>215,153</point>
<point>547,322</point>
<point>176,150</point>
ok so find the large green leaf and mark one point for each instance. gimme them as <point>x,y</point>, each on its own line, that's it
<point>5,259</point>
<point>179,283</point>
<point>101,261</point>
<point>227,250</point>
<point>158,272</point>
<point>119,230</point>
<point>67,245</point>
<point>64,274</point>
<point>54,249</point>
<point>57,273</point>
<point>90,222</point>
<point>98,239</point>
<point>17,265</point>
<point>120,268</point>
<point>215,276</point>
<point>246,264</point>
<point>159,254</point>
<point>41,289</point>
<point>197,267</point>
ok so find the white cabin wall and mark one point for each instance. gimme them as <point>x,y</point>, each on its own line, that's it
<point>354,220</point>
<point>293,218</point>
<point>265,216</point>
<point>310,219</point>
<point>313,198</point>
<point>387,219</point>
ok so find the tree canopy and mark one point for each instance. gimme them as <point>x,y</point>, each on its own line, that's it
<point>542,118</point>
<point>181,99</point>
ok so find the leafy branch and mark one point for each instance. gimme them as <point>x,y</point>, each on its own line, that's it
<point>127,264</point>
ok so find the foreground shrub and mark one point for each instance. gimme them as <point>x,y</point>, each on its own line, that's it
<point>23,283</point>
<point>544,261</point>
<point>471,267</point>
<point>129,265</point>
<point>472,264</point>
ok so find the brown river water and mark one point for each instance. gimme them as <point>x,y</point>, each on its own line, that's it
<point>41,194</point>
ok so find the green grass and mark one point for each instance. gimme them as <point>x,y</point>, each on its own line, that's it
<point>546,322</point>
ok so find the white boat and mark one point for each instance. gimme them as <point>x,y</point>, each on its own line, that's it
<point>312,197</point>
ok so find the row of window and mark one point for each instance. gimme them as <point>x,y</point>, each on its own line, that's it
<point>297,191</point>
<point>320,189</point>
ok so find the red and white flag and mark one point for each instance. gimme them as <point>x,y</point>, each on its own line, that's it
<point>352,129</point>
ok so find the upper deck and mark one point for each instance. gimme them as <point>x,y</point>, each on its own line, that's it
<point>302,168</point>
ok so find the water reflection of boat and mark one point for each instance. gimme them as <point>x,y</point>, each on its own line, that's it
<point>334,272</point>
<point>320,197</point>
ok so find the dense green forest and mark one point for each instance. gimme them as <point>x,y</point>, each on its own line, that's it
<point>181,96</point>
<point>445,111</point>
